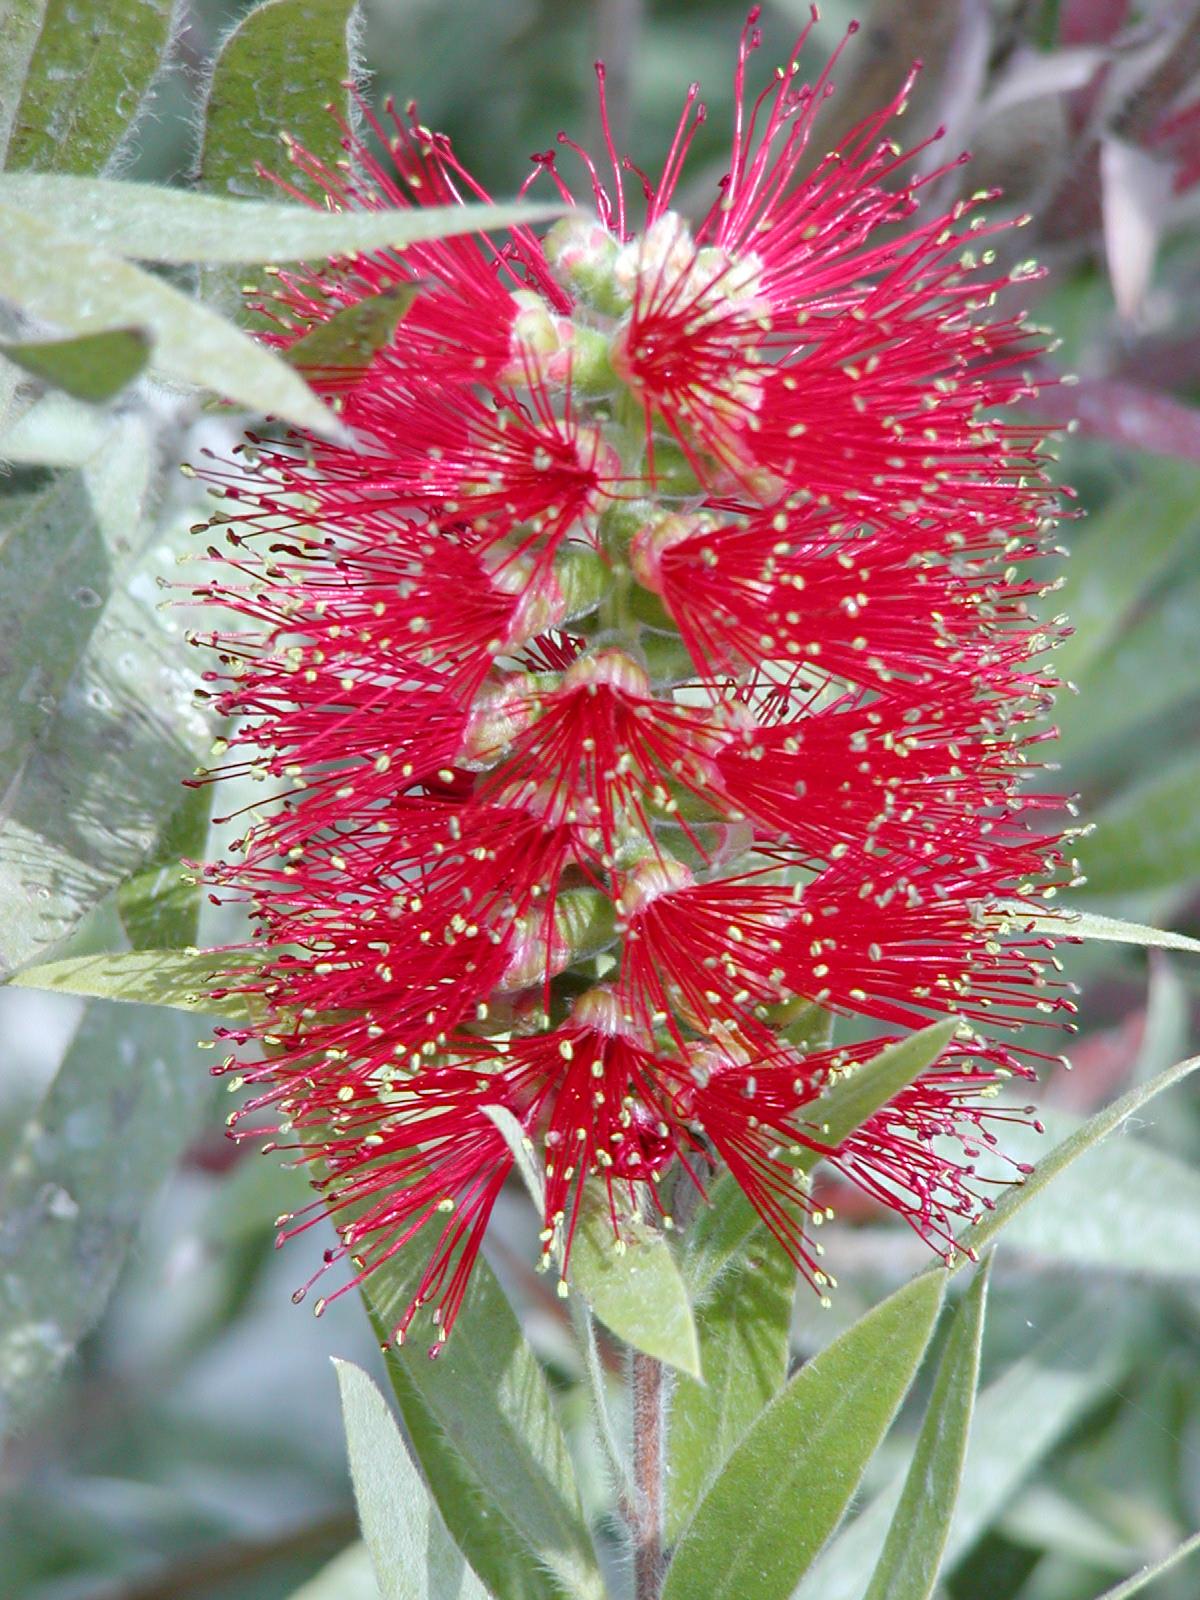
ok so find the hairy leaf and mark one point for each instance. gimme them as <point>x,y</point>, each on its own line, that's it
<point>281,72</point>
<point>159,906</point>
<point>787,1485</point>
<point>632,1285</point>
<point>18,41</point>
<point>88,75</point>
<point>125,1101</point>
<point>744,1357</point>
<point>413,1556</point>
<point>96,366</point>
<point>1048,1394</point>
<point>180,979</point>
<point>637,1291</point>
<point>487,1396</point>
<point>41,270</point>
<point>143,222</point>
<point>1070,923</point>
<point>912,1553</point>
<point>1061,1157</point>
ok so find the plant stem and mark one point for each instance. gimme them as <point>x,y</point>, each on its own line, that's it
<point>649,1439</point>
<point>585,1334</point>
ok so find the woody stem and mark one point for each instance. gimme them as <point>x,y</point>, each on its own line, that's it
<point>649,1440</point>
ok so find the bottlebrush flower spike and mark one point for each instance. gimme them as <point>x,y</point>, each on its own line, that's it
<point>661,660</point>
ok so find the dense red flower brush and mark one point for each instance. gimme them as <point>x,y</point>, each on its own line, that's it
<point>657,671</point>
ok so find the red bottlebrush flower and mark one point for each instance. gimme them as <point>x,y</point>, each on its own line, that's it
<point>671,624</point>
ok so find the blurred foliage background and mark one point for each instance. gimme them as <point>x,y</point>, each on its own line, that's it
<point>174,1427</point>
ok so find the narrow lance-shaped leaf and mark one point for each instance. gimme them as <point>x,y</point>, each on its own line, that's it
<point>787,1485</point>
<point>88,75</point>
<point>282,70</point>
<point>636,1289</point>
<point>181,979</point>
<point>280,76</point>
<point>94,790</point>
<point>743,1331</point>
<point>125,1101</point>
<point>1096,1128</point>
<point>41,271</point>
<point>912,1553</point>
<point>159,906</point>
<point>1105,1210</point>
<point>1074,924</point>
<point>143,222</point>
<point>54,577</point>
<point>413,1556</point>
<point>18,40</point>
<point>487,1396</point>
<point>95,366</point>
<point>1158,1569</point>
<point>1047,1394</point>
<point>1149,836</point>
<point>722,1229</point>
<point>480,1528</point>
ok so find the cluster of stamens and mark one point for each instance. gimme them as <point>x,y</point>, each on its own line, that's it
<point>652,683</point>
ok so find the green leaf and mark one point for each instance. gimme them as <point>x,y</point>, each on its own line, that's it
<point>55,573</point>
<point>1152,667</point>
<point>1047,1396</point>
<point>1159,515</point>
<point>41,271</point>
<point>18,40</point>
<point>413,1555</point>
<point>280,72</point>
<point>480,1528</point>
<point>159,907</point>
<point>721,1230</point>
<point>179,979</point>
<point>97,771</point>
<point>1135,1585</point>
<point>786,1486</point>
<point>912,1554</point>
<point>1149,836</point>
<point>57,431</point>
<point>1073,924</point>
<point>1061,1157</point>
<point>279,76</point>
<point>1168,1025</point>
<point>636,1292</point>
<point>95,366</point>
<point>349,1576</point>
<point>143,222</point>
<point>744,1356</point>
<point>352,335</point>
<point>484,1402</point>
<point>1105,1211</point>
<point>863,1090</point>
<point>88,75</point>
<point>127,1098</point>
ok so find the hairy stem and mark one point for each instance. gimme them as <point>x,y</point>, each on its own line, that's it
<point>585,1333</point>
<point>649,1441</point>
